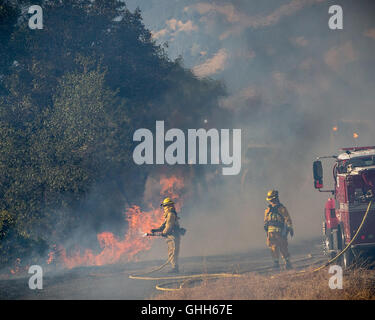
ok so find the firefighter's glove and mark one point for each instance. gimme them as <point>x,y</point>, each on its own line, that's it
<point>291,232</point>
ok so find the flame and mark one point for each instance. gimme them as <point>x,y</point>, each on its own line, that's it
<point>355,135</point>
<point>51,255</point>
<point>335,128</point>
<point>127,248</point>
<point>16,268</point>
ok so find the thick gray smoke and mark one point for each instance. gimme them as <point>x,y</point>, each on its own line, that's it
<point>296,89</point>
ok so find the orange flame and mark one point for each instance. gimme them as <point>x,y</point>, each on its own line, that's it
<point>115,250</point>
<point>51,255</point>
<point>355,135</point>
<point>18,268</point>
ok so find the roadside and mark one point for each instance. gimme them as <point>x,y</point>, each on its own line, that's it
<point>357,285</point>
<point>112,281</point>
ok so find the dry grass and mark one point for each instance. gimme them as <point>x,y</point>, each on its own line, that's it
<point>357,285</point>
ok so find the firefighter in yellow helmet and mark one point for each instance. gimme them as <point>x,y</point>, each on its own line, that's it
<point>277,224</point>
<point>170,229</point>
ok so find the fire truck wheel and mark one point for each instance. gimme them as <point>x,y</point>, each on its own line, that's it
<point>327,244</point>
<point>347,259</point>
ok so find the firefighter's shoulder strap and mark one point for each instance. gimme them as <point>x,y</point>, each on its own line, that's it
<point>175,226</point>
<point>274,218</point>
<point>274,211</point>
<point>170,221</point>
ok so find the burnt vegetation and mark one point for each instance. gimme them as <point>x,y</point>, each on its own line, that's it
<point>71,96</point>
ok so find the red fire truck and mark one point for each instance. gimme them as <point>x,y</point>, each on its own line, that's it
<point>354,188</point>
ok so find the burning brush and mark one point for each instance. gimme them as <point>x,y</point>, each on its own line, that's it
<point>126,248</point>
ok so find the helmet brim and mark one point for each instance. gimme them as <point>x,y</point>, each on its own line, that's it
<point>270,199</point>
<point>167,204</point>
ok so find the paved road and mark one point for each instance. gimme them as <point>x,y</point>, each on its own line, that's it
<point>112,282</point>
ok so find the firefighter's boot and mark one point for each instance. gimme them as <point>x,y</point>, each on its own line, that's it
<point>288,265</point>
<point>276,265</point>
<point>174,270</point>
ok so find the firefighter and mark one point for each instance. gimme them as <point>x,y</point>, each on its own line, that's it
<point>277,224</point>
<point>170,229</point>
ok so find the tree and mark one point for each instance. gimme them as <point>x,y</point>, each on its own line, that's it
<point>72,96</point>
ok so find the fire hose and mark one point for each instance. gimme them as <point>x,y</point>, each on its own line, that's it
<point>184,279</point>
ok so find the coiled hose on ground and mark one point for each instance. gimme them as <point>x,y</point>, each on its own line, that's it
<point>182,280</point>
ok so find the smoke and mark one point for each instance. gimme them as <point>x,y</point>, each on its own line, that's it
<point>290,80</point>
<point>211,65</point>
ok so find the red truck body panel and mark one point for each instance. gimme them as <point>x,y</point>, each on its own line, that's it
<point>350,211</point>
<point>330,214</point>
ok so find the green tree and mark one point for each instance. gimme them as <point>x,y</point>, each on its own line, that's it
<point>71,96</point>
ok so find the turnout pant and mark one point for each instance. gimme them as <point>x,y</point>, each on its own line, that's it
<point>173,243</point>
<point>278,244</point>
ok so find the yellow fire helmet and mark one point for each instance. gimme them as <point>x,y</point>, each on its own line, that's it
<point>272,195</point>
<point>167,202</point>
